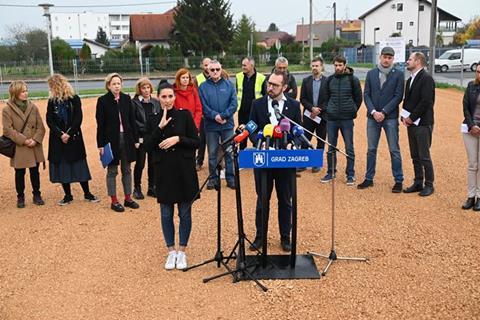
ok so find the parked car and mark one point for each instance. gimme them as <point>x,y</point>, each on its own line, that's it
<point>451,60</point>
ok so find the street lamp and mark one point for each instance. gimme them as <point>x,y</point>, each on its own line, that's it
<point>46,13</point>
<point>375,43</point>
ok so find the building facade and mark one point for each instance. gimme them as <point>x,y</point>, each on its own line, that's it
<point>409,19</point>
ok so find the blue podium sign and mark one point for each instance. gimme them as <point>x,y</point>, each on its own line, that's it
<point>264,159</point>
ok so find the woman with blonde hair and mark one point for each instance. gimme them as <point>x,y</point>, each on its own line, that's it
<point>22,123</point>
<point>116,126</point>
<point>187,95</point>
<point>145,107</point>
<point>66,148</point>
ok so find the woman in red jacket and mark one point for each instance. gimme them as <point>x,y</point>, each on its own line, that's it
<point>186,95</point>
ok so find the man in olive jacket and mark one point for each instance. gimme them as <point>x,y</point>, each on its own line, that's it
<point>344,97</point>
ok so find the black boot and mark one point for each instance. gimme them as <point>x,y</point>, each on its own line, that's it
<point>469,203</point>
<point>137,193</point>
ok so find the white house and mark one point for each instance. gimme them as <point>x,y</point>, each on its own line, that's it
<point>409,18</point>
<point>85,25</point>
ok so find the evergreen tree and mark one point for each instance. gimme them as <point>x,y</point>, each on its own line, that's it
<point>85,53</point>
<point>273,27</point>
<point>241,35</point>
<point>102,37</point>
<point>202,27</point>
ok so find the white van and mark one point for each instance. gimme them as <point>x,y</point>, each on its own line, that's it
<point>450,60</point>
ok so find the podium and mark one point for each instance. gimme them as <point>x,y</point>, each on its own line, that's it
<point>291,266</point>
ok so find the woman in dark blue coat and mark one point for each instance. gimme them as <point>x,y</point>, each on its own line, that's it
<point>173,143</point>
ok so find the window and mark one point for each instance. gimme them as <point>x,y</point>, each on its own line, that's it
<point>399,25</point>
<point>455,56</point>
<point>399,6</point>
<point>421,7</point>
<point>411,23</point>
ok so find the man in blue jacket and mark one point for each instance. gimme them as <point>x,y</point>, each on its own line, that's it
<point>219,101</point>
<point>383,94</point>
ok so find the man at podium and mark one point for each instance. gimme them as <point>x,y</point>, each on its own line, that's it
<point>263,113</point>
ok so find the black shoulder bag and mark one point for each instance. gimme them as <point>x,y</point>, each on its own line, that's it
<point>7,146</point>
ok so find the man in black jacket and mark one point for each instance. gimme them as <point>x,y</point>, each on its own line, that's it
<point>417,116</point>
<point>312,98</point>
<point>344,98</point>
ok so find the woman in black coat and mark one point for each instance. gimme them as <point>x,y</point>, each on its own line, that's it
<point>66,149</point>
<point>173,143</point>
<point>116,125</point>
<point>471,138</point>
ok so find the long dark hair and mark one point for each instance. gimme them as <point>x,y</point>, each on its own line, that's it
<point>476,81</point>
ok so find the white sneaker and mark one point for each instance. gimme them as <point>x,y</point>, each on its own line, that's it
<point>171,259</point>
<point>181,260</point>
<point>222,174</point>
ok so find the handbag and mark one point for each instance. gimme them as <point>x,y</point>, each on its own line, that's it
<point>7,146</point>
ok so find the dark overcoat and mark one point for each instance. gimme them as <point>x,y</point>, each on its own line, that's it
<point>108,125</point>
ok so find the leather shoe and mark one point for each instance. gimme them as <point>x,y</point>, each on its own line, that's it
<point>413,188</point>
<point>117,207</point>
<point>315,169</point>
<point>37,199</point>
<point>476,207</point>
<point>286,245</point>
<point>397,187</point>
<point>137,194</point>
<point>469,203</point>
<point>427,191</point>
<point>231,185</point>
<point>365,184</point>
<point>21,202</point>
<point>257,244</point>
<point>151,193</point>
<point>131,204</point>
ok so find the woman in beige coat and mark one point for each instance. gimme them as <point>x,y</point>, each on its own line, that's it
<point>29,150</point>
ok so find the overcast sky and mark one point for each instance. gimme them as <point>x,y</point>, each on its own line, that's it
<point>284,13</point>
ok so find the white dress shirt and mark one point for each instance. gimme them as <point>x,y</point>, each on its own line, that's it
<point>271,112</point>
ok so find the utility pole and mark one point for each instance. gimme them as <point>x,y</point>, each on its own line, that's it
<point>46,10</point>
<point>311,32</point>
<point>303,41</point>
<point>334,23</point>
<point>433,37</point>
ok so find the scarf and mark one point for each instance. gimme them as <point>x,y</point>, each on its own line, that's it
<point>383,73</point>
<point>22,105</point>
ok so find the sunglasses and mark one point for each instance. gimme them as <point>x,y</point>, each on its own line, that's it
<point>214,69</point>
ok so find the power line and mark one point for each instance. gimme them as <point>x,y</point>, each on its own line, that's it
<point>91,6</point>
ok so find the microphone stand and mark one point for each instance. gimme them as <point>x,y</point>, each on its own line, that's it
<point>333,254</point>
<point>241,272</point>
<point>218,257</point>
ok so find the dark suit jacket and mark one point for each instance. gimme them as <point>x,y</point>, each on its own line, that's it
<point>306,93</point>
<point>176,179</point>
<point>419,99</point>
<point>385,99</point>
<point>108,125</point>
<point>259,113</point>
<point>74,150</point>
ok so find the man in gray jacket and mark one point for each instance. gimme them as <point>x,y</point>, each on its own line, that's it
<point>383,94</point>
<point>344,97</point>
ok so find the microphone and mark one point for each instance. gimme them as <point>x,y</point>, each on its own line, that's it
<point>249,127</point>
<point>285,127</point>
<point>277,137</point>
<point>267,133</point>
<point>278,115</point>
<point>242,136</point>
<point>298,132</point>
<point>259,139</point>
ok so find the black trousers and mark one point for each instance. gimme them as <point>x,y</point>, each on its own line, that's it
<point>319,129</point>
<point>34,180</point>
<point>283,186</point>
<point>420,140</point>
<point>142,156</point>
<point>203,144</point>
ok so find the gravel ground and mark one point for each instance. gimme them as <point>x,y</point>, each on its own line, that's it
<point>83,261</point>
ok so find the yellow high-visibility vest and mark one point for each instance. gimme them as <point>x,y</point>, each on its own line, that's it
<point>260,78</point>
<point>200,79</point>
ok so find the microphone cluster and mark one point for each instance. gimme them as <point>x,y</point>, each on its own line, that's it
<point>281,136</point>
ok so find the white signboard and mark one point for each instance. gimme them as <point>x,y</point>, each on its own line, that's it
<point>398,45</point>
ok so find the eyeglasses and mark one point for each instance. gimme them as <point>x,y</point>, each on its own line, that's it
<point>274,85</point>
<point>215,69</point>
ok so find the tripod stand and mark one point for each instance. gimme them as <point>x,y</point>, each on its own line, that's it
<point>333,254</point>
<point>241,271</point>
<point>218,257</point>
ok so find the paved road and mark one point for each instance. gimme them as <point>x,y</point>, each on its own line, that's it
<point>449,77</point>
